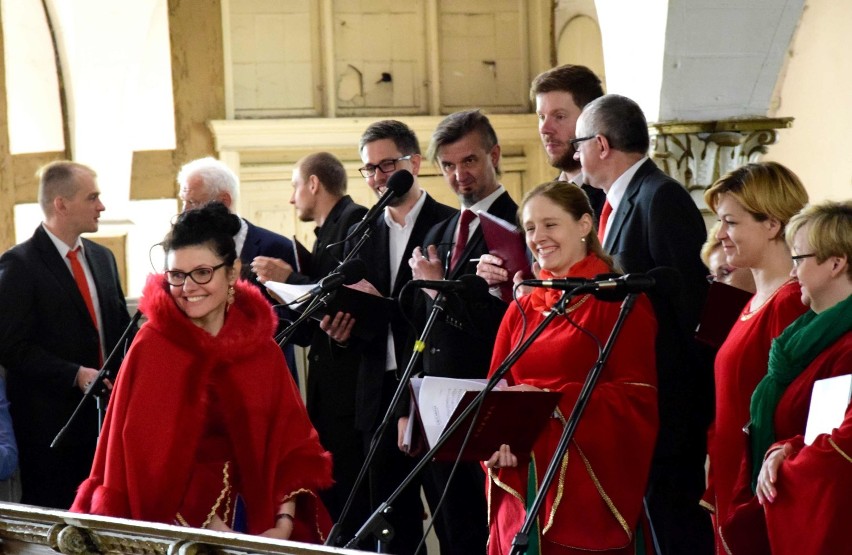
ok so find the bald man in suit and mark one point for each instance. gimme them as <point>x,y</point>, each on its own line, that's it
<point>53,338</point>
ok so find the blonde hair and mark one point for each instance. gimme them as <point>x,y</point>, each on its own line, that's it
<point>765,189</point>
<point>829,230</point>
<point>573,200</point>
<point>711,244</point>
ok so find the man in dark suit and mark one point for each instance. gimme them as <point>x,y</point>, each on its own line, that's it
<point>385,147</point>
<point>649,220</point>
<point>319,195</point>
<point>206,180</point>
<point>54,333</point>
<point>465,148</point>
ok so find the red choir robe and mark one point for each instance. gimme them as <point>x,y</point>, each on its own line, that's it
<point>195,420</point>
<point>812,508</point>
<point>741,363</point>
<point>595,501</point>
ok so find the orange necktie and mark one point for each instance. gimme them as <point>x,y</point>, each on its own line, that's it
<point>607,210</point>
<point>83,286</point>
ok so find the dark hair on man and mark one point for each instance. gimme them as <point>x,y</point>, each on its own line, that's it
<point>580,81</point>
<point>620,120</point>
<point>459,124</point>
<point>59,179</point>
<point>328,169</point>
<point>212,225</point>
<point>401,135</point>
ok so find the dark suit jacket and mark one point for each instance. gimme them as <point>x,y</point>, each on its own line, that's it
<point>658,224</point>
<point>462,338</point>
<point>331,371</point>
<point>262,242</point>
<point>375,253</point>
<point>46,333</point>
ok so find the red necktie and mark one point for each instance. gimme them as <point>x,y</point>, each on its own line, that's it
<point>467,216</point>
<point>82,284</point>
<point>607,210</point>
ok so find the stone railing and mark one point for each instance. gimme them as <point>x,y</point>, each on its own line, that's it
<point>25,529</point>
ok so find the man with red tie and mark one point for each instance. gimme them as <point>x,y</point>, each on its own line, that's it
<point>63,311</point>
<point>465,148</point>
<point>649,220</point>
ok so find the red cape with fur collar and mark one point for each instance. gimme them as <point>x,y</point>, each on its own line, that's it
<point>156,418</point>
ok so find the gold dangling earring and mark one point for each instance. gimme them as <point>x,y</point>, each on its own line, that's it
<point>230,301</point>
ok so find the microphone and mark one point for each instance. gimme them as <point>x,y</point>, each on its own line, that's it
<point>606,287</point>
<point>470,285</point>
<point>351,271</point>
<point>398,184</point>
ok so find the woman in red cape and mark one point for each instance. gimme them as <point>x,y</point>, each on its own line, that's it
<point>754,203</point>
<point>595,502</point>
<point>205,414</point>
<point>802,491</point>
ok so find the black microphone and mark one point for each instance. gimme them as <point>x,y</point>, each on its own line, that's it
<point>605,286</point>
<point>470,285</point>
<point>351,271</point>
<point>398,184</point>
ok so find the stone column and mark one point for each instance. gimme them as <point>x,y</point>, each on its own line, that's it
<point>697,153</point>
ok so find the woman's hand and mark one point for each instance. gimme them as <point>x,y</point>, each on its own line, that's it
<point>218,525</point>
<point>502,458</point>
<point>522,387</point>
<point>283,522</point>
<point>281,531</point>
<point>768,475</point>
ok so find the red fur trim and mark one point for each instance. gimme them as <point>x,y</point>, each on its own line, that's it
<point>109,502</point>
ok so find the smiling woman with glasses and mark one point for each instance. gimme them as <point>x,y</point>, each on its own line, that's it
<point>205,427</point>
<point>803,485</point>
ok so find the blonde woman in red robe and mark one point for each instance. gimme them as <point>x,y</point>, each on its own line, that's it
<point>205,413</point>
<point>754,204</point>
<point>595,502</point>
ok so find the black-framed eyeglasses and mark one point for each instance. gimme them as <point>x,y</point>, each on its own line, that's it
<point>385,166</point>
<point>200,275</point>
<point>799,257</point>
<point>578,140</point>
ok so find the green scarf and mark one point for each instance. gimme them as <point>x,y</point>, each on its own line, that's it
<point>791,352</point>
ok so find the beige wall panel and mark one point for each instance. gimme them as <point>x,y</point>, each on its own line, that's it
<point>7,173</point>
<point>118,245</point>
<point>25,167</point>
<point>195,28</point>
<point>153,175</point>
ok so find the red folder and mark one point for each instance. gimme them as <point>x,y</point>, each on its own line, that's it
<point>515,418</point>
<point>506,241</point>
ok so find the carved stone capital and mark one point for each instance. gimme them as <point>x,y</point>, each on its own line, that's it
<point>698,153</point>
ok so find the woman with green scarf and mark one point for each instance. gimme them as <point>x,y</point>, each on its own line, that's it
<point>804,489</point>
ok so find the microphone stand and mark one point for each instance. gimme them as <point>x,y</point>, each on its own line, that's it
<point>97,382</point>
<point>315,304</point>
<point>378,525</point>
<point>374,522</point>
<point>521,541</point>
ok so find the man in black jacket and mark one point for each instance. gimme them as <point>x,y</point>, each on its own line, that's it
<point>465,148</point>
<point>319,195</point>
<point>60,319</point>
<point>386,147</point>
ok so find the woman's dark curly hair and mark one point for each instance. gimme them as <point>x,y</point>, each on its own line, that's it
<point>212,225</point>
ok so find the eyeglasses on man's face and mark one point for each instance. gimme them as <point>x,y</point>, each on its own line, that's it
<point>576,142</point>
<point>797,259</point>
<point>385,166</point>
<point>201,275</point>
